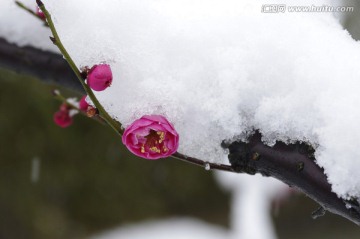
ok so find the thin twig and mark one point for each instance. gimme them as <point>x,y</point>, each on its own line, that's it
<point>21,5</point>
<point>201,163</point>
<point>116,126</point>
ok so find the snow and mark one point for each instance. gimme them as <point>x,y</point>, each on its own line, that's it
<point>20,27</point>
<point>217,69</point>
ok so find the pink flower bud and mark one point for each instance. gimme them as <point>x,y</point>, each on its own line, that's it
<point>99,77</point>
<point>65,107</point>
<point>151,137</point>
<point>62,118</point>
<point>83,105</point>
<point>40,13</point>
<point>91,112</point>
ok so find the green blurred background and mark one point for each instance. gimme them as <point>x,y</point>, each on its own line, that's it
<point>88,182</point>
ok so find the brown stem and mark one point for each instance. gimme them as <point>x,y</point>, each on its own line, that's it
<point>204,164</point>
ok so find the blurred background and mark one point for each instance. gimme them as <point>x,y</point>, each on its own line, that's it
<point>80,182</point>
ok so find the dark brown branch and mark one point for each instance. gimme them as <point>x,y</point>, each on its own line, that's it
<point>294,165</point>
<point>47,66</point>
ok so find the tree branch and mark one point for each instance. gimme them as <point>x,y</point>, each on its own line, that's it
<point>294,165</point>
<point>47,66</point>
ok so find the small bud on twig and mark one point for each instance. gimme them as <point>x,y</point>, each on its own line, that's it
<point>83,105</point>
<point>53,40</point>
<point>91,111</point>
<point>39,3</point>
<point>84,71</point>
<point>55,92</point>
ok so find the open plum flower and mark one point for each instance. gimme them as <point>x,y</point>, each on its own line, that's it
<point>151,137</point>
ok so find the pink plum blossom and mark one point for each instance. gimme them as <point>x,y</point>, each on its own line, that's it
<point>83,105</point>
<point>151,137</point>
<point>99,77</point>
<point>62,118</point>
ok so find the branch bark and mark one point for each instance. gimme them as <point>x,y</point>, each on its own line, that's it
<point>47,66</point>
<point>293,164</point>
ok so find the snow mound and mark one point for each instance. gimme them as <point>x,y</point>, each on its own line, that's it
<point>217,69</point>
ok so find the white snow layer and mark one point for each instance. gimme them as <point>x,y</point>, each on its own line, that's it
<point>18,26</point>
<point>218,69</point>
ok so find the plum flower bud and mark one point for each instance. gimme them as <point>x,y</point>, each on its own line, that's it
<point>83,105</point>
<point>151,137</point>
<point>99,77</point>
<point>62,118</point>
<point>91,111</point>
<point>40,13</point>
<point>64,107</point>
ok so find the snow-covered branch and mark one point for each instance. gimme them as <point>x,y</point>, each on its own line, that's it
<point>292,164</point>
<point>295,165</point>
<point>193,64</point>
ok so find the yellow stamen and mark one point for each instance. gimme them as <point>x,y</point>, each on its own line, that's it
<point>155,149</point>
<point>153,142</point>
<point>142,149</point>
<point>161,136</point>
